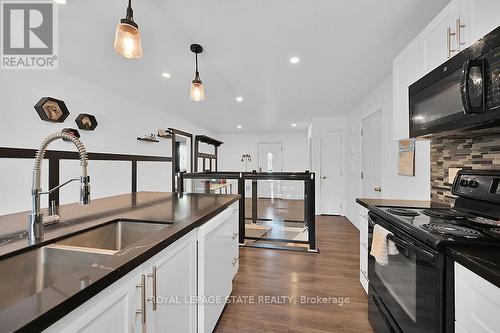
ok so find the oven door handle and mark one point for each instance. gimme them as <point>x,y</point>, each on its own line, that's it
<point>412,247</point>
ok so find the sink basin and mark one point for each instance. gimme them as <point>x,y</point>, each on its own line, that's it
<point>112,237</point>
<point>28,273</point>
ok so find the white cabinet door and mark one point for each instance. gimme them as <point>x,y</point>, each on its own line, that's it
<point>477,303</point>
<point>112,310</point>
<point>484,17</point>
<point>215,269</point>
<point>174,272</point>
<point>439,38</point>
<point>407,67</point>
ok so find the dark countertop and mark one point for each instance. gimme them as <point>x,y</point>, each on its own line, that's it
<point>180,214</point>
<point>484,261</point>
<point>366,202</point>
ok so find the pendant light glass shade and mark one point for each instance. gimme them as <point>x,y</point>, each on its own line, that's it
<point>128,37</point>
<point>197,92</point>
<point>128,41</point>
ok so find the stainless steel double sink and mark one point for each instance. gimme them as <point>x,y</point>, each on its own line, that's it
<point>31,272</point>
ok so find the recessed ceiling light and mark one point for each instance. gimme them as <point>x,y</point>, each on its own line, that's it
<point>239,127</point>
<point>294,60</point>
<point>294,125</point>
<point>61,2</point>
<point>166,75</point>
<point>239,99</point>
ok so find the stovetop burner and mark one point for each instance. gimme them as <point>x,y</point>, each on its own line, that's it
<point>495,232</point>
<point>443,213</point>
<point>452,230</point>
<point>402,211</point>
<point>485,221</point>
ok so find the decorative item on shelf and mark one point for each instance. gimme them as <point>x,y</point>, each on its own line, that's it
<point>197,90</point>
<point>86,122</point>
<point>128,38</point>
<point>406,158</point>
<point>166,134</point>
<point>51,109</point>
<point>72,131</point>
<point>148,138</point>
<point>246,158</point>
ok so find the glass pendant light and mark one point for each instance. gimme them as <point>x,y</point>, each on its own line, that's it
<point>197,91</point>
<point>128,37</point>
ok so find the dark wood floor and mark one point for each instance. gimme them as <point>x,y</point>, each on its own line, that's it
<point>332,273</point>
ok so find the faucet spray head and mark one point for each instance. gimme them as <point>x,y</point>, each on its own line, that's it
<point>84,190</point>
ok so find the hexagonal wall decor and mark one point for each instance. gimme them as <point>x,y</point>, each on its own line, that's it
<point>51,109</point>
<point>86,122</point>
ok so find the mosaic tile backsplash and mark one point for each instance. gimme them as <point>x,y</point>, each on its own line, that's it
<point>482,152</point>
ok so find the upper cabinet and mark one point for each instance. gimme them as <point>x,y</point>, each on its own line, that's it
<point>446,35</point>
<point>484,17</point>
<point>458,25</point>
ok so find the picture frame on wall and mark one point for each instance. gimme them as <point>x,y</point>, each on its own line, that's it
<point>406,158</point>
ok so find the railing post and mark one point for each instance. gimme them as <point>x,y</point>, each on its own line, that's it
<point>180,182</point>
<point>254,201</point>
<point>241,192</point>
<point>311,210</point>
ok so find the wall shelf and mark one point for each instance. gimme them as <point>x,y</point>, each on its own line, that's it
<point>147,140</point>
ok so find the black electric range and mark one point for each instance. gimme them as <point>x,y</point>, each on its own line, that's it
<point>408,295</point>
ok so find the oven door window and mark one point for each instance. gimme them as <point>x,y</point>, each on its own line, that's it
<point>409,287</point>
<point>400,280</point>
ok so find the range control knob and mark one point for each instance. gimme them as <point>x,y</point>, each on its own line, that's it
<point>464,182</point>
<point>473,184</point>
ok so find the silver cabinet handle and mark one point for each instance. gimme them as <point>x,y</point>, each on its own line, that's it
<point>378,189</point>
<point>449,34</point>
<point>459,28</point>
<point>152,299</point>
<point>142,311</point>
<point>235,260</point>
<point>235,235</point>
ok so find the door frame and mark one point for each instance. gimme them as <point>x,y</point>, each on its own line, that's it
<point>380,111</point>
<point>342,169</point>
<point>272,142</point>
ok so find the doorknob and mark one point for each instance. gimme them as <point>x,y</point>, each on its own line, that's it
<point>378,189</point>
<point>324,177</point>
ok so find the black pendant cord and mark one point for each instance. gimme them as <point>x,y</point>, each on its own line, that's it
<point>130,12</point>
<point>196,57</point>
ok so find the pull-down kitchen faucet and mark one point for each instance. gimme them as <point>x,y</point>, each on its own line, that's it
<point>36,220</point>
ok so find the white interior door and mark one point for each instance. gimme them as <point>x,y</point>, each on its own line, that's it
<point>270,160</point>
<point>371,155</point>
<point>331,173</point>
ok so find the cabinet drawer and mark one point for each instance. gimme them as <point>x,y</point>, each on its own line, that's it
<point>363,232</point>
<point>477,302</point>
<point>363,260</point>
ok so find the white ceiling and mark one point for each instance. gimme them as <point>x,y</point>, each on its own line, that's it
<point>345,47</point>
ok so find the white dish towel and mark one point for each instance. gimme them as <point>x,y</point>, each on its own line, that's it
<point>381,246</point>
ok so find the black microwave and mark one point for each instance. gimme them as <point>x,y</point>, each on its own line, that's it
<point>463,94</point>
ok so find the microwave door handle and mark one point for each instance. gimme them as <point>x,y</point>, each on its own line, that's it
<point>464,86</point>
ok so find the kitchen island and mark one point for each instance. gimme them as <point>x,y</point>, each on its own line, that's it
<point>75,272</point>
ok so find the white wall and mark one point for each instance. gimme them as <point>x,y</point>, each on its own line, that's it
<point>121,120</point>
<point>316,128</point>
<point>393,185</point>
<point>295,157</point>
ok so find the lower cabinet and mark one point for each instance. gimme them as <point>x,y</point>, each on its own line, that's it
<point>181,289</point>
<point>217,260</point>
<point>477,303</point>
